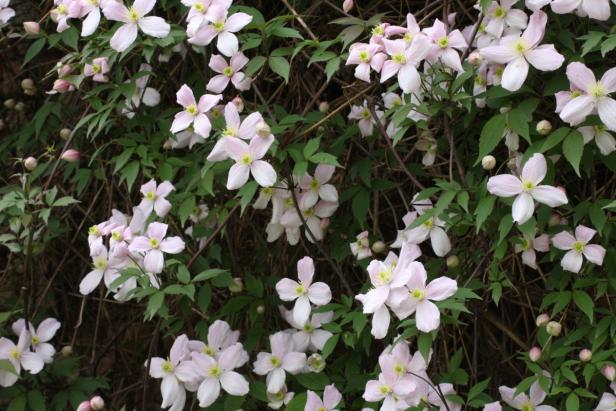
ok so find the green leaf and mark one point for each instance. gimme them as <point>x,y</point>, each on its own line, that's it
<point>584,303</point>
<point>254,65</point>
<point>186,208</point>
<point>298,403</point>
<point>572,403</point>
<point>329,346</point>
<point>483,210</point>
<point>17,404</point>
<point>325,158</point>
<point>5,365</point>
<point>573,148</point>
<point>491,134</point>
<point>311,147</point>
<point>424,343</point>
<point>313,381</point>
<point>360,205</point>
<point>34,49</point>
<point>154,304</point>
<point>208,274</point>
<point>280,66</point>
<point>247,193</point>
<point>597,216</point>
<point>555,138</point>
<point>64,201</point>
<point>286,32</point>
<point>332,66</point>
<point>36,401</point>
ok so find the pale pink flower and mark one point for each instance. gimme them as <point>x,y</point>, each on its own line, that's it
<point>91,9</point>
<point>361,247</point>
<point>535,5</point>
<point>529,245</point>
<point>604,140</point>
<point>248,161</point>
<point>607,402</point>
<point>308,336</point>
<point>64,10</point>
<point>40,336</point>
<point>493,406</point>
<point>222,27</point>
<point>331,398</point>
<point>404,61</point>
<point>228,72</point>
<point>317,187</point>
<point>194,114</point>
<point>417,297</point>
<point>594,97</point>
<point>445,389</point>
<point>134,20</point>
<point>595,9</point>
<point>391,388</point>
<point>154,244</point>
<point>577,247</point>
<point>201,12</point>
<point>501,13</point>
<point>155,198</point>
<point>347,5</point>
<point>445,46</point>
<point>314,218</point>
<point>366,122</point>
<point>366,57</point>
<point>219,336</point>
<point>277,399</point>
<point>97,70</point>
<point>6,13</point>
<point>235,127</point>
<point>281,360</point>
<point>518,51</point>
<point>102,267</point>
<point>522,401</point>
<point>142,93</point>
<point>527,190</point>
<point>408,33</point>
<point>19,355</point>
<point>431,228</point>
<point>303,292</point>
<point>84,406</point>
<point>168,370</point>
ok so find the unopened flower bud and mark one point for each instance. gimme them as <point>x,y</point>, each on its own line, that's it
<point>97,403</point>
<point>30,91</point>
<point>554,328</point>
<point>554,220</point>
<point>61,86</point>
<point>167,145</point>
<point>84,406</point>
<point>263,130</point>
<point>474,58</point>
<point>64,70</point>
<point>9,103</point>
<point>544,127</point>
<point>20,106</point>
<point>260,309</point>
<point>239,103</point>
<point>237,286</point>
<point>66,351</point>
<point>542,320</point>
<point>32,28</point>
<point>488,162</point>
<point>30,163</point>
<point>27,83</point>
<point>379,246</point>
<point>315,363</point>
<point>71,155</point>
<point>453,261</point>
<point>609,372</point>
<point>323,106</point>
<point>347,5</point>
<point>585,355</point>
<point>534,354</point>
<point>65,133</point>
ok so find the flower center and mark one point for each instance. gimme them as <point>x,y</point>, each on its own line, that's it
<point>94,2</point>
<point>192,109</point>
<point>94,231</point>
<point>399,58</point>
<point>200,7</point>
<point>365,114</point>
<point>218,26</point>
<point>154,243</point>
<point>578,246</point>
<point>482,28</point>
<point>288,202</point>
<point>479,80</point>
<point>308,327</point>
<point>499,13</point>
<point>309,212</point>
<point>35,340</point>
<point>399,369</point>
<point>384,276</point>
<point>300,290</point>
<point>528,185</point>
<point>428,223</point>
<point>229,131</point>
<point>314,184</point>
<point>150,195</point>
<point>208,350</point>
<point>528,407</point>
<point>443,42</point>
<point>246,159</point>
<point>576,93</point>
<point>378,30</point>
<point>96,68</point>
<point>62,9</point>
<point>385,389</point>
<point>268,191</point>
<point>525,244</point>
<point>228,71</point>
<point>597,90</point>
<point>100,263</point>
<point>499,71</point>
<point>418,294</point>
<point>520,46</point>
<point>167,366</point>
<point>133,15</point>
<point>364,57</point>
<point>117,236</point>
<point>600,128</point>
<point>408,37</point>
<point>275,361</point>
<point>321,409</point>
<point>215,371</point>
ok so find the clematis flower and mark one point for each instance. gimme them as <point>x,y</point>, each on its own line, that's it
<point>431,228</point>
<point>577,247</point>
<point>317,187</point>
<point>201,12</point>
<point>64,10</point>
<point>217,373</point>
<point>391,388</point>
<point>223,27</point>
<point>194,114</point>
<point>417,297</point>
<point>404,62</point>
<point>6,13</point>
<point>366,57</point>
<point>91,9</point>
<point>361,247</point>
<point>40,336</point>
<point>607,402</point>
<point>155,198</point>
<point>366,122</point>
<point>522,401</point>
<point>281,360</point>
<point>529,245</point>
<point>154,244</point>
<point>594,96</point>
<point>148,95</point>
<point>408,33</point>
<point>309,335</point>
<point>518,51</point>
<point>595,9</point>
<point>97,70</point>
<point>493,406</point>
<point>535,5</point>
<point>444,389</point>
<point>501,13</point>
<point>278,399</point>
<point>331,398</point>
<point>247,159</point>
<point>303,292</point>
<point>171,386</point>
<point>526,188</point>
<point>234,127</point>
<point>134,20</point>
<point>102,267</point>
<point>219,337</point>
<point>445,46</point>
<point>604,140</point>
<point>19,355</point>
<point>228,72</point>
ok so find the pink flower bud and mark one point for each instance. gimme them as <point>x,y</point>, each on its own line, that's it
<point>554,328</point>
<point>61,86</point>
<point>585,355</point>
<point>32,28</point>
<point>609,372</point>
<point>534,354</point>
<point>97,403</point>
<point>474,58</point>
<point>239,103</point>
<point>263,130</point>
<point>347,5</point>
<point>30,163</point>
<point>84,406</point>
<point>64,70</point>
<point>71,156</point>
<point>542,320</point>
